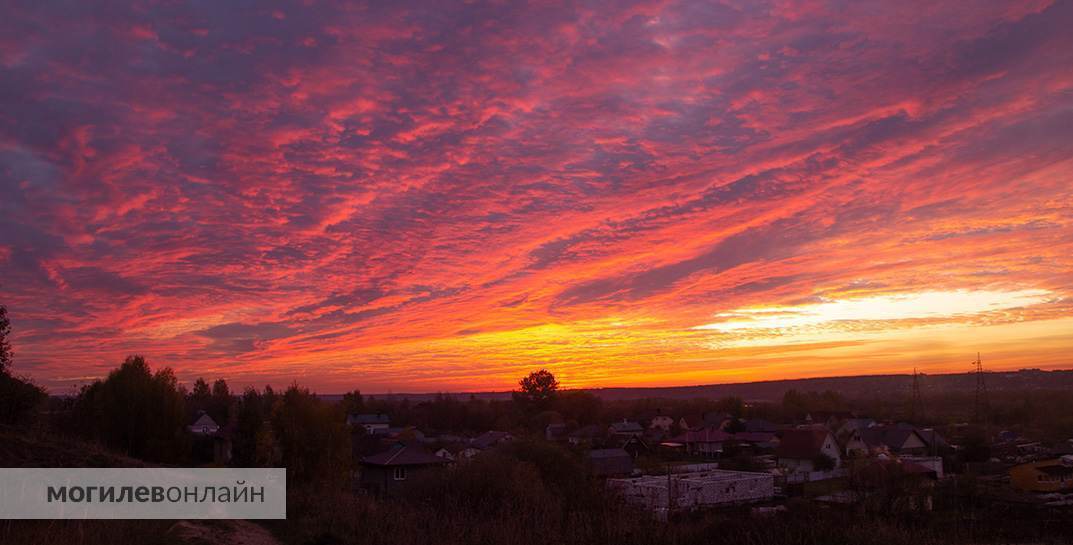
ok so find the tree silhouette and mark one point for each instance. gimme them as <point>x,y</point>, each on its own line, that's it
<point>220,402</point>
<point>136,410</point>
<point>538,390</point>
<point>5,344</point>
<point>19,398</point>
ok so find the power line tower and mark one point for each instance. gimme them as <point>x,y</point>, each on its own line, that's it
<point>916,410</point>
<point>980,410</point>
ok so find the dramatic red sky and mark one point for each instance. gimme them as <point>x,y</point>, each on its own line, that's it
<point>424,197</point>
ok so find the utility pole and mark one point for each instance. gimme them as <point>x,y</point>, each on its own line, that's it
<point>980,411</point>
<point>916,410</point>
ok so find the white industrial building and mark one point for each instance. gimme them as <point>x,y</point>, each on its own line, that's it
<point>686,491</point>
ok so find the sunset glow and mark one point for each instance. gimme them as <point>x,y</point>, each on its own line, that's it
<point>399,197</point>
<point>921,305</point>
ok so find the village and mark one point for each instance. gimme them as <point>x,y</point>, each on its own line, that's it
<point>668,463</point>
<point>584,467</point>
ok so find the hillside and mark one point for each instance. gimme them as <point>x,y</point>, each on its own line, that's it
<point>855,386</point>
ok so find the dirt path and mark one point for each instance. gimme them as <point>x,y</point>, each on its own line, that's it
<point>221,532</point>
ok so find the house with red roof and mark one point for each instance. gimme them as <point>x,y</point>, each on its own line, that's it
<point>704,441</point>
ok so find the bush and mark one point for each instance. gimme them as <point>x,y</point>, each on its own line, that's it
<point>19,400</point>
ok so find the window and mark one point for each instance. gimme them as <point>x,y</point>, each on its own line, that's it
<point>400,474</point>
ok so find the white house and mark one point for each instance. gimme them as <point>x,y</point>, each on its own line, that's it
<point>204,425</point>
<point>801,450</point>
<point>662,422</point>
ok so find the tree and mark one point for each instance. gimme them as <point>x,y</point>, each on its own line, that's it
<point>581,407</point>
<point>18,397</point>
<point>732,405</point>
<point>200,394</point>
<point>538,390</point>
<point>823,462</point>
<point>136,410</point>
<point>975,447</point>
<point>5,344</point>
<point>312,438</point>
<point>254,440</point>
<point>353,402</point>
<point>220,402</point>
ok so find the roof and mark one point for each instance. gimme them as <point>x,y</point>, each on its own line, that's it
<point>877,472</point>
<point>489,439</point>
<point>693,420</point>
<point>634,441</point>
<point>402,455</point>
<point>1056,470</point>
<point>754,437</point>
<point>626,427</point>
<point>205,421</point>
<point>707,434</point>
<point>801,444</point>
<point>932,438</point>
<point>892,437</point>
<point>854,424</point>
<point>368,419</point>
<point>759,425</point>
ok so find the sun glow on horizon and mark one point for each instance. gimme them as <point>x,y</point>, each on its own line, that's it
<point>925,305</point>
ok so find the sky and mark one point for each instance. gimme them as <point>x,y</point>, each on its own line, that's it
<point>430,196</point>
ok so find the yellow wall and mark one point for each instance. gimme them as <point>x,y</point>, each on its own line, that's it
<point>1027,477</point>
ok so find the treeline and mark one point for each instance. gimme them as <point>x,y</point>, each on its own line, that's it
<point>145,414</point>
<point>20,398</point>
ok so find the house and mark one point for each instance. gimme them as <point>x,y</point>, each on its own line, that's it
<point>465,454</point>
<point>625,429</point>
<point>799,450</point>
<point>855,424</point>
<point>933,441</point>
<point>690,421</point>
<point>655,436</point>
<point>853,446</point>
<point>716,418</point>
<point>635,445</point>
<point>755,440</point>
<point>204,425</point>
<point>694,490</point>
<point>759,425</point>
<point>407,433</point>
<point>895,439</point>
<point>211,441</point>
<point>892,485</point>
<point>1046,476</point>
<point>661,422</point>
<point>555,432</point>
<point>585,435</point>
<point>490,439</point>
<point>390,471</point>
<point>705,441</point>
<point>374,424</point>
<point>606,462</point>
